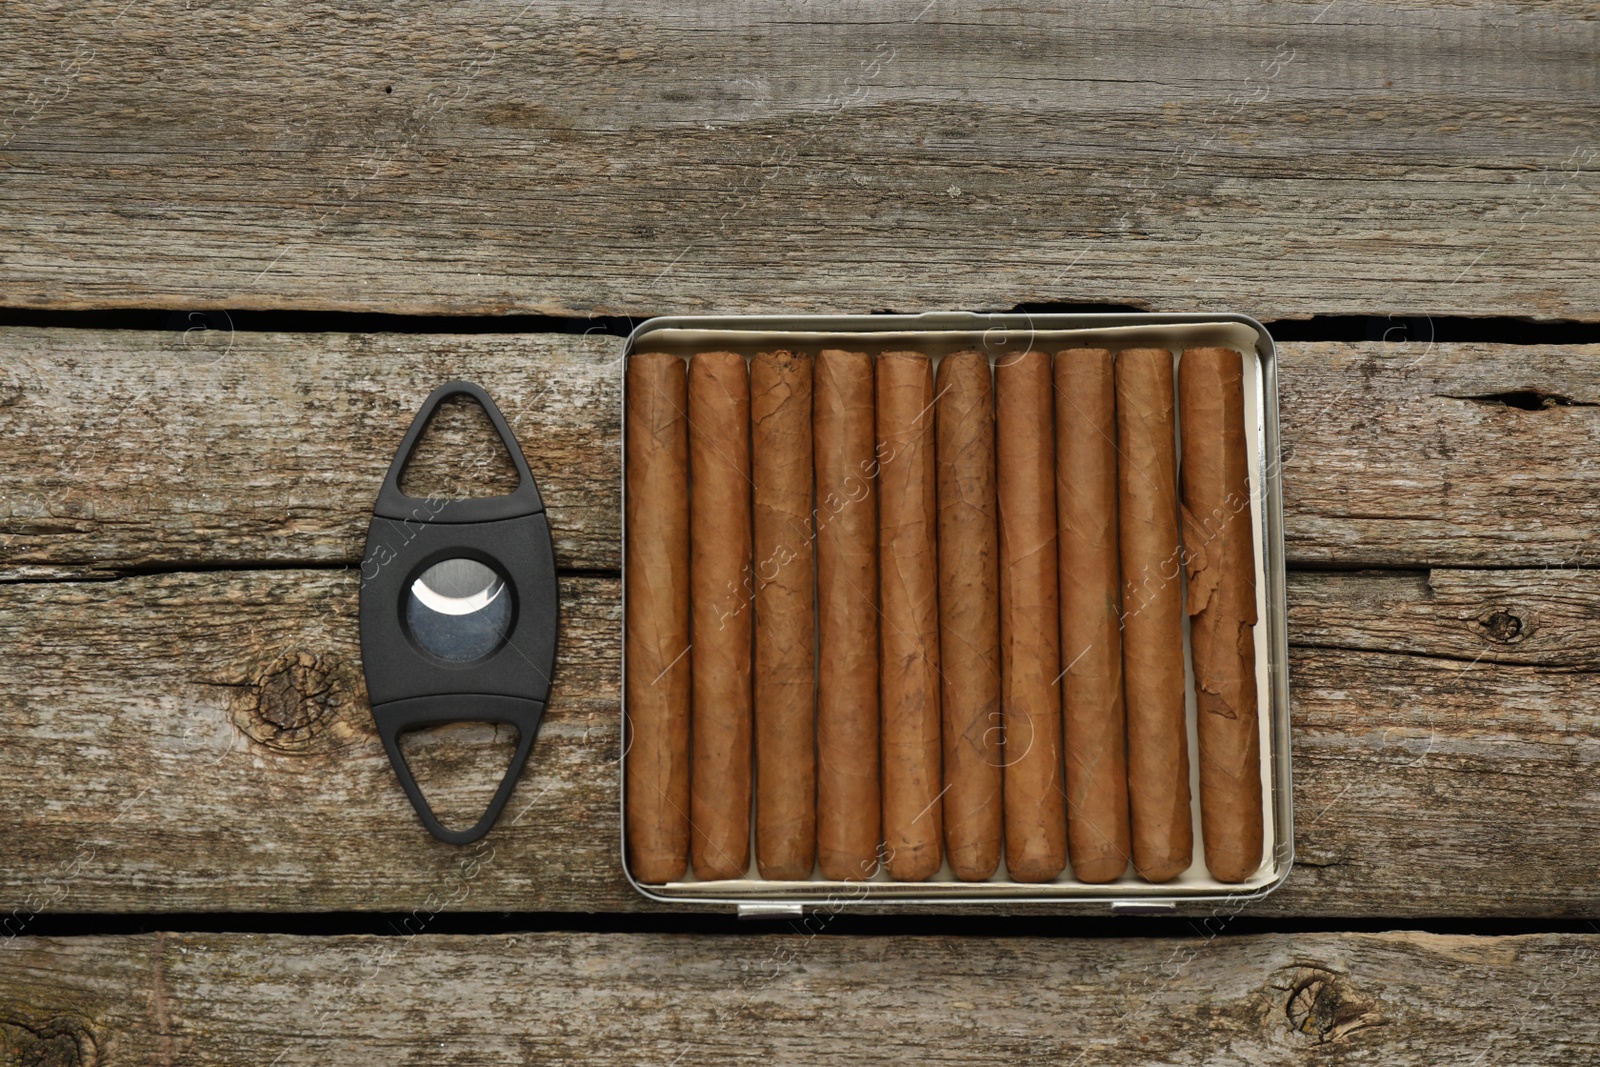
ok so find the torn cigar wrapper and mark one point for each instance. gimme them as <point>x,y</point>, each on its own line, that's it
<point>1221,573</point>
<point>928,615</point>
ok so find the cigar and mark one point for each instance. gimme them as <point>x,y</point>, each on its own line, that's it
<point>785,676</point>
<point>657,618</point>
<point>720,593</point>
<point>845,522</point>
<point>1220,560</point>
<point>908,584</point>
<point>969,615</point>
<point>1035,821</point>
<point>1091,638</point>
<point>1152,615</point>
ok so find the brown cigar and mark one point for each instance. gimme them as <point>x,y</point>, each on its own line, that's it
<point>969,615</point>
<point>1036,827</point>
<point>785,680</point>
<point>908,584</point>
<point>1220,557</point>
<point>1091,637</point>
<point>846,528</point>
<point>658,618</point>
<point>1152,615</point>
<point>720,576</point>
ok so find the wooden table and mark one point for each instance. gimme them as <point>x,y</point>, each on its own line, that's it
<point>193,801</point>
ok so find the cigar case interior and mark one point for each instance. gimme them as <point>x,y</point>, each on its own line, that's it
<point>1001,336</point>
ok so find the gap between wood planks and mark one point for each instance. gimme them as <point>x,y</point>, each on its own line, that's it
<point>138,570</point>
<point>381,924</point>
<point>1418,328</point>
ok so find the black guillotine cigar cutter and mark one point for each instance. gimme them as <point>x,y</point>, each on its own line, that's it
<point>458,611</point>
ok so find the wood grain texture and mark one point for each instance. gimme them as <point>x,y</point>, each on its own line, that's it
<point>1429,454</point>
<point>124,449</point>
<point>1547,617</point>
<point>136,449</point>
<point>200,742</point>
<point>1394,998</point>
<point>1281,158</point>
<point>206,738</point>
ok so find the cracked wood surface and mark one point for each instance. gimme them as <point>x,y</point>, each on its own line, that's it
<point>1393,998</point>
<point>1277,158</point>
<point>1427,454</point>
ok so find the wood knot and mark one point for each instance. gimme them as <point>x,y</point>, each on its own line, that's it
<point>1324,1007</point>
<point>1501,627</point>
<point>64,1041</point>
<point>302,702</point>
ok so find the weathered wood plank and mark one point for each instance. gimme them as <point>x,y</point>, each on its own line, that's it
<point>1463,781</point>
<point>195,738</point>
<point>200,742</point>
<point>1392,998</point>
<point>1278,158</point>
<point>1548,617</point>
<point>1419,454</point>
<point>138,449</point>
<point>210,447</point>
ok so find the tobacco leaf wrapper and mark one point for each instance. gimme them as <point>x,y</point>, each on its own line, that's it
<point>845,524</point>
<point>1095,730</point>
<point>785,646</point>
<point>1220,547</point>
<point>657,617</point>
<point>908,583</point>
<point>1035,820</point>
<point>969,615</point>
<point>721,588</point>
<point>1152,613</point>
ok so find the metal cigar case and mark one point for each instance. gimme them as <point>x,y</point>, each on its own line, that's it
<point>938,333</point>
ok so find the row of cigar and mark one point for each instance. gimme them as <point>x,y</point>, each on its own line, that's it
<point>926,612</point>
